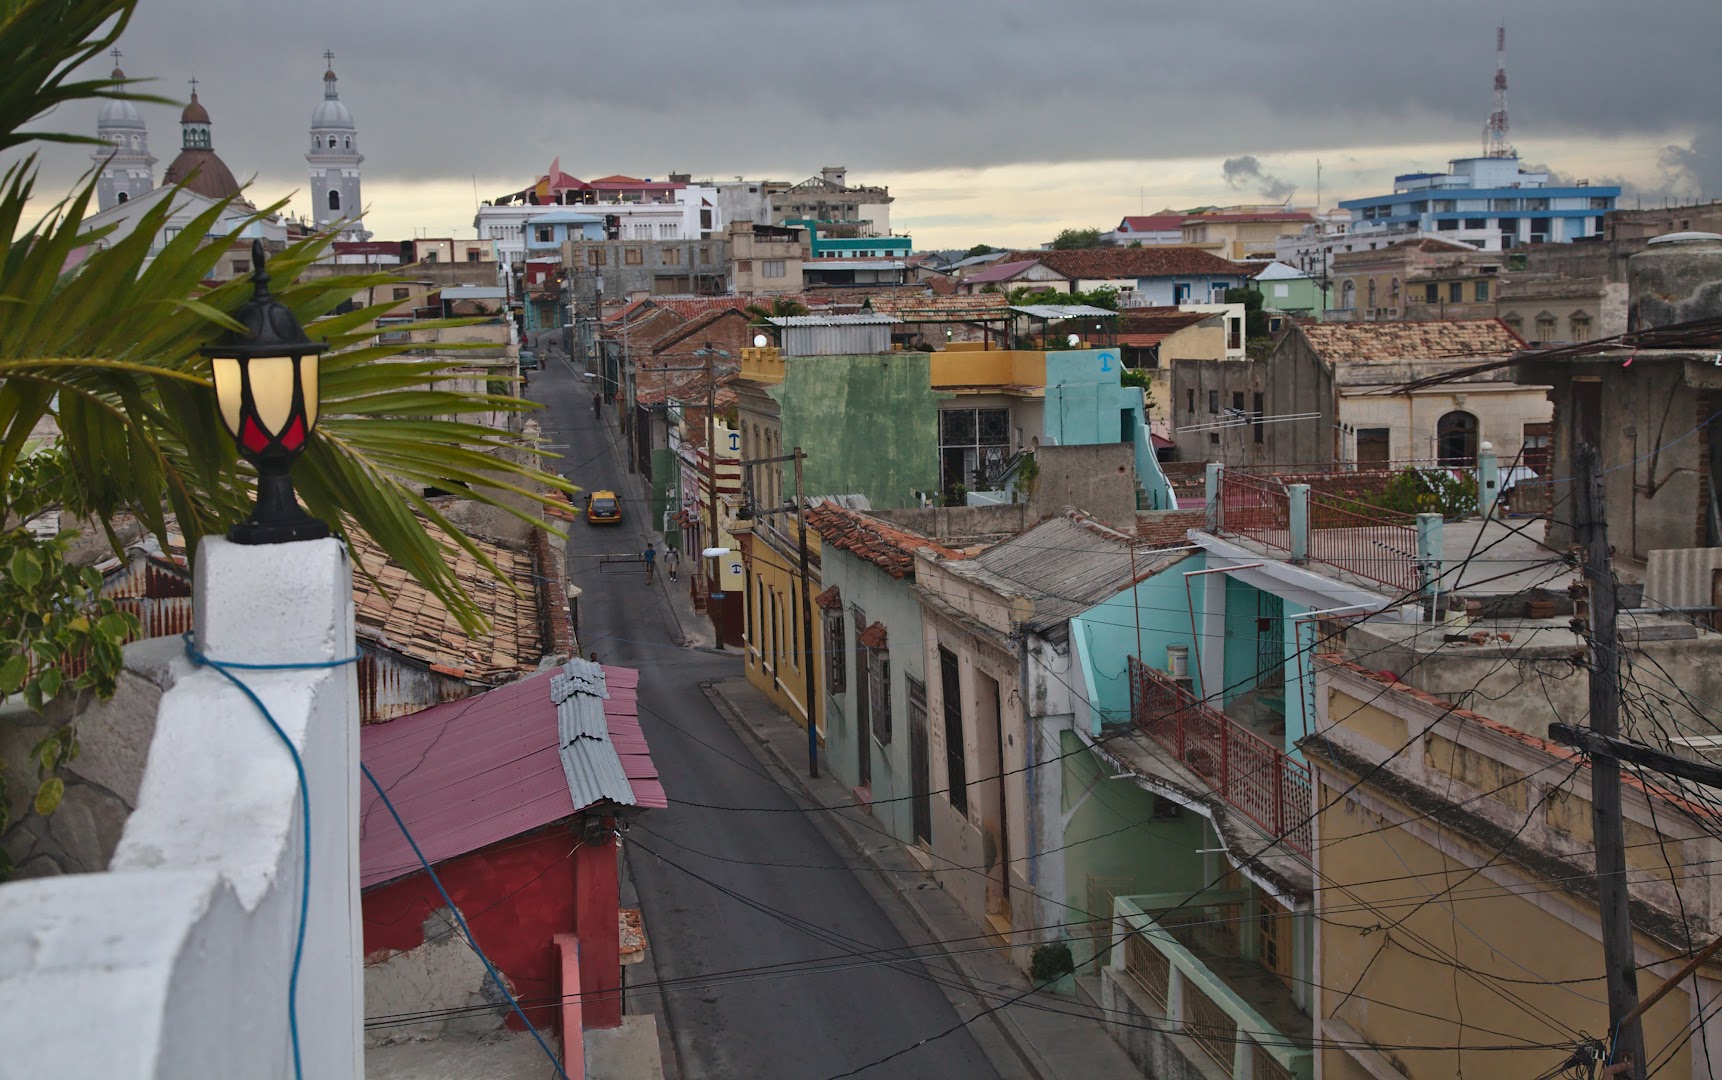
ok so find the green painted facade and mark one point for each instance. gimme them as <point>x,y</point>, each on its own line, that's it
<point>883,599</point>
<point>666,492</point>
<point>868,423</point>
<point>1118,841</point>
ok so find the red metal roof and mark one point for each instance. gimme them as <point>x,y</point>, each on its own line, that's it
<point>470,773</point>
<point>1152,223</point>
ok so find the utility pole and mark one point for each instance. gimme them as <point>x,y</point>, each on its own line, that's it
<point>713,595</point>
<point>1619,963</point>
<point>806,618</point>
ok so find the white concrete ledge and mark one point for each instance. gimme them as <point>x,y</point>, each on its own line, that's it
<point>175,962</point>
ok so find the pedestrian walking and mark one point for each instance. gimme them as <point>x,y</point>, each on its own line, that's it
<point>651,561</point>
<point>598,405</point>
<point>672,561</point>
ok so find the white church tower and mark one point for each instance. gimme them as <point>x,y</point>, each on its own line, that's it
<point>127,170</point>
<point>335,161</point>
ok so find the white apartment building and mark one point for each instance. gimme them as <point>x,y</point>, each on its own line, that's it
<point>689,212</point>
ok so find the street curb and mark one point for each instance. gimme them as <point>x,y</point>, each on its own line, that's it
<point>1019,1044</point>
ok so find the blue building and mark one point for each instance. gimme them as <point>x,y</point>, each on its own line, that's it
<point>546,233</point>
<point>1488,202</point>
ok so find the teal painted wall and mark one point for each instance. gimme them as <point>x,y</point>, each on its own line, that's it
<point>868,423</point>
<point>1239,669</point>
<point>1114,839</point>
<point>1300,677</point>
<point>1085,404</point>
<point>1108,633</point>
<point>884,599</point>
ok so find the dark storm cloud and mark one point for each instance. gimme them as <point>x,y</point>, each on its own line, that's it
<point>1245,173</point>
<point>449,90</point>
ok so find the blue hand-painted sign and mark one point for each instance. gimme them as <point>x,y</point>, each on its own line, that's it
<point>1106,359</point>
<point>735,440</point>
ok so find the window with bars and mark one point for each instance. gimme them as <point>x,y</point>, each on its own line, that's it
<point>836,665</point>
<point>879,693</point>
<point>956,773</point>
<point>973,445</point>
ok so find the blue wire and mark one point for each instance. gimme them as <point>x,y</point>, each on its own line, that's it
<point>220,666</point>
<point>471,942</point>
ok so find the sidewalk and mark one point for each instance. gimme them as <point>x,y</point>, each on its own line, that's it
<point>1047,1046</point>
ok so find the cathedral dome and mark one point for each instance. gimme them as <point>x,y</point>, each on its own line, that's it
<point>213,178</point>
<point>330,112</point>
<point>119,114</point>
<point>194,113</point>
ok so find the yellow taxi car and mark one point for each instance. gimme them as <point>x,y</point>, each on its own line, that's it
<point>603,508</point>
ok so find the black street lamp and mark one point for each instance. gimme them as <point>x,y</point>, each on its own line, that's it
<point>266,385</point>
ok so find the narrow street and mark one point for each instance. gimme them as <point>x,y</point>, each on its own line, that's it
<point>732,996</point>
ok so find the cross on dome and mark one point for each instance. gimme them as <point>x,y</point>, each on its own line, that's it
<point>193,81</point>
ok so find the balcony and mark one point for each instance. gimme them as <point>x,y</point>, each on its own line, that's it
<point>1185,976</point>
<point>1366,541</point>
<point>1244,769</point>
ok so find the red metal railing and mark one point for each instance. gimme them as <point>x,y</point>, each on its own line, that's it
<point>1372,543</point>
<point>1250,773</point>
<point>1256,508</point>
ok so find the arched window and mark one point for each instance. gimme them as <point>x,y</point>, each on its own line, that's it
<point>1456,439</point>
<point>1348,295</point>
<point>1393,293</point>
<point>349,142</point>
<point>1372,294</point>
<point>334,199</point>
<point>316,142</point>
<point>136,142</point>
<point>122,197</point>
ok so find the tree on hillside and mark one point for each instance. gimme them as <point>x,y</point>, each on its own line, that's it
<point>1071,239</point>
<point>980,249</point>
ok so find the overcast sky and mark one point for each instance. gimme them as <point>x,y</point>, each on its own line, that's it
<point>1000,121</point>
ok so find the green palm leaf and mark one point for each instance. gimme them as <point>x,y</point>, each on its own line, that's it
<point>110,352</point>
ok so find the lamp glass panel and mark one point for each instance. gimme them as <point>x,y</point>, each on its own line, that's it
<point>308,385</point>
<point>227,391</point>
<point>272,391</point>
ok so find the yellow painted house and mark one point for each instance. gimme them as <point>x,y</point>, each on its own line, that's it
<point>1457,930</point>
<point>779,644</point>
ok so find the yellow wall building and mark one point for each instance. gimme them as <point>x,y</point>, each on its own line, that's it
<point>1454,896</point>
<point>779,644</point>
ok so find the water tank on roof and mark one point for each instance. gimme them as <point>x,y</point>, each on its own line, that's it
<point>1676,279</point>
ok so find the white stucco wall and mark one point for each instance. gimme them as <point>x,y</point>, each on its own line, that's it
<point>175,962</point>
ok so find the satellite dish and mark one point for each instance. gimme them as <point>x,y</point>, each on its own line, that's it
<point>760,341</point>
<point>1074,340</point>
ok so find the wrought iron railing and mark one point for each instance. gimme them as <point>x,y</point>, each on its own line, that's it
<point>1211,1028</point>
<point>1149,967</point>
<point>1250,773</point>
<point>1257,508</point>
<point>1377,544</point>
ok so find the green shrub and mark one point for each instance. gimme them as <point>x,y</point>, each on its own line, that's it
<point>1050,962</point>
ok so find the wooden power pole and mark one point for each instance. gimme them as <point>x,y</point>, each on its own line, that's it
<point>1620,964</point>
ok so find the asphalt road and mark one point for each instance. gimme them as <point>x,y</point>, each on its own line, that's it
<point>763,1020</point>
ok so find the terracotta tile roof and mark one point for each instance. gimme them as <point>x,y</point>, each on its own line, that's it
<point>941,308</point>
<point>1159,320</point>
<point>400,614</point>
<point>1002,271</point>
<point>1129,262</point>
<point>873,637</point>
<point>1168,528</point>
<point>1152,223</point>
<point>1433,339</point>
<point>830,600</point>
<point>655,387</point>
<point>884,545</point>
<point>1298,216</point>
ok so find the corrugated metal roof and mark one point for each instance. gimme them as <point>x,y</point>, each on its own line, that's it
<point>833,320</point>
<point>1062,311</point>
<point>468,774</point>
<point>1065,565</point>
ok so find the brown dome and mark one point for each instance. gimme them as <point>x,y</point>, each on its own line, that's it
<point>213,178</point>
<point>194,113</point>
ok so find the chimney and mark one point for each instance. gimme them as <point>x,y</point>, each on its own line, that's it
<point>1677,278</point>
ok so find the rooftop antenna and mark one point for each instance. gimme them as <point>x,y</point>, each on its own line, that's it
<point>1495,143</point>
